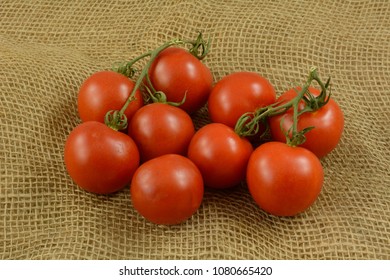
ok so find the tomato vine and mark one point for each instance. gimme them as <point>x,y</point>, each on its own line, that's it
<point>248,123</point>
<point>116,119</point>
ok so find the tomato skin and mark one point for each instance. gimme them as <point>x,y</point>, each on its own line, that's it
<point>160,129</point>
<point>237,94</point>
<point>99,159</point>
<point>284,180</point>
<point>177,73</point>
<point>220,154</point>
<point>167,190</point>
<point>328,122</point>
<point>105,91</point>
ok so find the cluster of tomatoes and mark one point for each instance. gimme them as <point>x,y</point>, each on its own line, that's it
<point>139,132</point>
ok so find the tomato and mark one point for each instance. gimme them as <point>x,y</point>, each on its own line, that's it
<point>160,129</point>
<point>220,154</point>
<point>100,159</point>
<point>328,122</point>
<point>237,94</point>
<point>105,91</point>
<point>284,180</point>
<point>178,73</point>
<point>167,190</point>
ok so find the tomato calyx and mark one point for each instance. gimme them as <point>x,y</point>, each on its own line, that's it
<point>314,103</point>
<point>249,123</point>
<point>296,138</point>
<point>115,120</point>
<point>200,48</point>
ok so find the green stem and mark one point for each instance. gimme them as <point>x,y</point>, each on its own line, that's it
<point>117,119</point>
<point>127,68</point>
<point>150,84</point>
<point>245,128</point>
<point>153,54</point>
<point>295,119</point>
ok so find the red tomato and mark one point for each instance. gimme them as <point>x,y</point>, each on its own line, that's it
<point>284,180</point>
<point>220,154</point>
<point>160,129</point>
<point>237,94</point>
<point>167,190</point>
<point>100,159</point>
<point>105,91</point>
<point>328,122</point>
<point>177,73</point>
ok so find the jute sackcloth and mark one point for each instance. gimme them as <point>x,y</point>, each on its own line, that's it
<point>48,48</point>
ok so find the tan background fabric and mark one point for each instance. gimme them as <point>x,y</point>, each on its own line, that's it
<point>47,48</point>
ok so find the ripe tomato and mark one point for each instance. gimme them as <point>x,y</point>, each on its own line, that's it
<point>284,180</point>
<point>160,129</point>
<point>328,122</point>
<point>177,73</point>
<point>105,91</point>
<point>220,154</point>
<point>100,159</point>
<point>237,94</point>
<point>167,190</point>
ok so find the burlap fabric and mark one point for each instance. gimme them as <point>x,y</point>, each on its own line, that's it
<point>47,48</point>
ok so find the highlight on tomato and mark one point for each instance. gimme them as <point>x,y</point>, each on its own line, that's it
<point>220,154</point>
<point>167,190</point>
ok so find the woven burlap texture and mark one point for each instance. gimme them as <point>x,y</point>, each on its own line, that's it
<point>48,48</point>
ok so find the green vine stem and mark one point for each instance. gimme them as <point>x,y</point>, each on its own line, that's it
<point>117,119</point>
<point>248,123</point>
<point>160,97</point>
